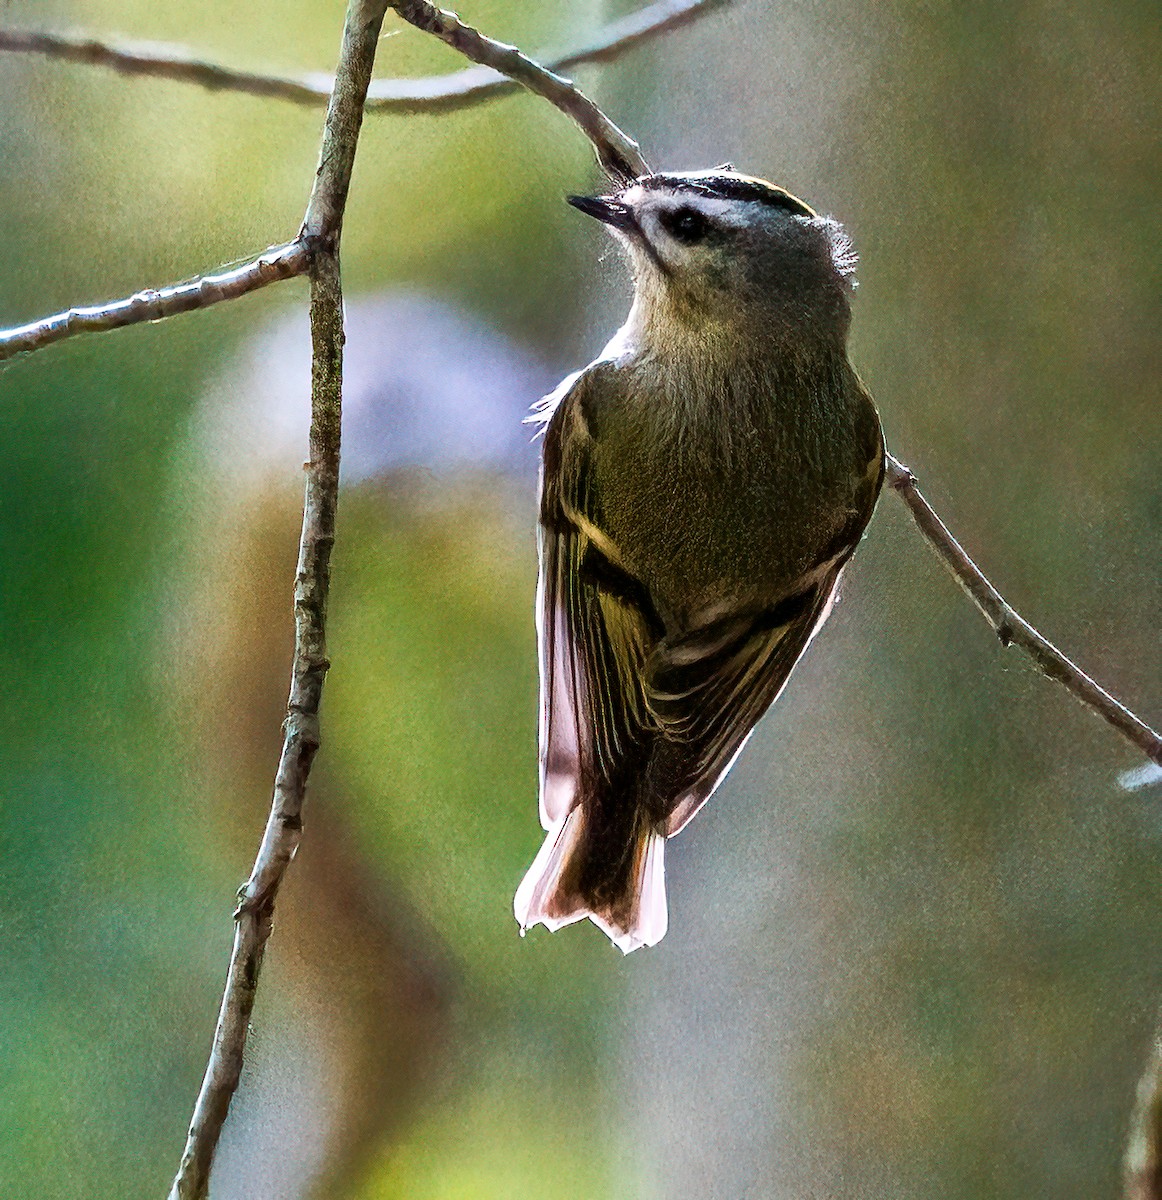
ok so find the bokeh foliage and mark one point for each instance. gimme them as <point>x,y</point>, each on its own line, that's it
<point>914,946</point>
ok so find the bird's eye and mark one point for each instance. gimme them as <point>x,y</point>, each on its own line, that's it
<point>686,225</point>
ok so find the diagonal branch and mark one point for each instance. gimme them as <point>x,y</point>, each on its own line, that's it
<point>446,93</point>
<point>436,93</point>
<point>619,155</point>
<point>154,304</point>
<point>1010,626</point>
<point>255,914</point>
<point>504,68</point>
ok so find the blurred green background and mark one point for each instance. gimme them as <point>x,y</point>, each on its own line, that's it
<point>915,944</point>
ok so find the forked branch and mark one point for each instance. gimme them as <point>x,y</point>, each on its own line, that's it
<point>1010,626</point>
<point>505,68</point>
<point>429,94</point>
<point>619,155</point>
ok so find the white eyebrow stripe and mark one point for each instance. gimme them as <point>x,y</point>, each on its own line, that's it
<point>721,212</point>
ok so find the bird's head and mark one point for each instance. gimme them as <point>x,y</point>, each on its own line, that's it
<point>719,246</point>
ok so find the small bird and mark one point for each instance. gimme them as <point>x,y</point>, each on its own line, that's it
<point>703,484</point>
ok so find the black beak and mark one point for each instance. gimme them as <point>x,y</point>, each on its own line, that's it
<point>607,210</point>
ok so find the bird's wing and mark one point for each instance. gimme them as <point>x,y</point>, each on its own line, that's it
<point>596,624</point>
<point>707,690</point>
<point>620,697</point>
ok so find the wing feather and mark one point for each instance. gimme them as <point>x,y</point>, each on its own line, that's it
<point>595,624</point>
<point>709,688</point>
<point>617,688</point>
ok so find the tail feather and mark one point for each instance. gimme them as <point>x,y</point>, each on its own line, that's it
<point>549,895</point>
<point>538,899</point>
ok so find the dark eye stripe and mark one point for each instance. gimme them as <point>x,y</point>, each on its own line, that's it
<point>685,225</point>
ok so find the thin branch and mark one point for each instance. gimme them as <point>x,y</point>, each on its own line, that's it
<point>253,919</point>
<point>460,89</point>
<point>619,155</point>
<point>163,61</point>
<point>154,304</point>
<point>1010,626</point>
<point>430,94</point>
<point>506,69</point>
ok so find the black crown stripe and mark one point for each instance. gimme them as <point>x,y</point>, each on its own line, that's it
<point>728,187</point>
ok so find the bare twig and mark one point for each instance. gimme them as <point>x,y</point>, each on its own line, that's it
<point>1142,1166</point>
<point>321,231</point>
<point>153,304</point>
<point>619,155</point>
<point>506,68</point>
<point>435,93</point>
<point>1010,626</point>
<point>163,61</point>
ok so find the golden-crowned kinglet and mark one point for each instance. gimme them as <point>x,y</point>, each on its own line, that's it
<point>704,482</point>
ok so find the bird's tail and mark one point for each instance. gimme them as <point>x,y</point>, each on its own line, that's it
<point>568,881</point>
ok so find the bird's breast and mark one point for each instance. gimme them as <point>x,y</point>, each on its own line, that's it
<point>712,498</point>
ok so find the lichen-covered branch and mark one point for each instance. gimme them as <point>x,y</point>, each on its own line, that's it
<point>1010,626</point>
<point>436,93</point>
<point>253,918</point>
<point>619,155</point>
<point>152,304</point>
